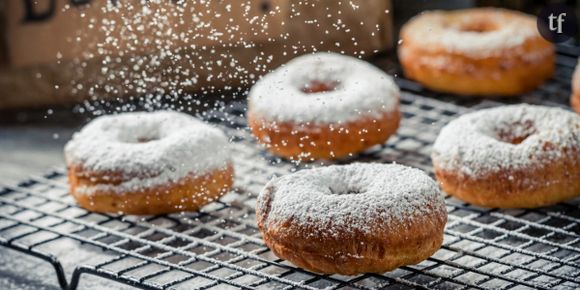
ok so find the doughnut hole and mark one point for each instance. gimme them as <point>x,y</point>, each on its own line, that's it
<point>146,139</point>
<point>141,138</point>
<point>344,190</point>
<point>516,133</point>
<point>478,26</point>
<point>475,26</point>
<point>316,86</point>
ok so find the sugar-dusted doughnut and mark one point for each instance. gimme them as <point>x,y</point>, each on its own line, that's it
<point>479,51</point>
<point>518,156</point>
<point>148,163</point>
<point>575,98</point>
<point>323,105</point>
<point>351,219</point>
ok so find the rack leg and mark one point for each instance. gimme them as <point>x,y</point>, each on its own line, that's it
<point>47,257</point>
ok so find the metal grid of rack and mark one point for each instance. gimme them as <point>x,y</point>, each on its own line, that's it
<point>220,246</point>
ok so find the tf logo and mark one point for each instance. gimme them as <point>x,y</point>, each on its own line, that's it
<point>557,23</point>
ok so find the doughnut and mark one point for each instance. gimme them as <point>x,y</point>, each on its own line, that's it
<point>518,156</point>
<point>148,163</point>
<point>323,106</point>
<point>575,99</point>
<point>351,219</point>
<point>478,52</point>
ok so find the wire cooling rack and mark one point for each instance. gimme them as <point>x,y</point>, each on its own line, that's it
<point>220,247</point>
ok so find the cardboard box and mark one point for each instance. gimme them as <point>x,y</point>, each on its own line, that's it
<point>63,51</point>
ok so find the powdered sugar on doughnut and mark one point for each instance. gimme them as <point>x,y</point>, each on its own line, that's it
<point>350,197</point>
<point>445,30</point>
<point>148,149</point>
<point>360,89</point>
<point>478,143</point>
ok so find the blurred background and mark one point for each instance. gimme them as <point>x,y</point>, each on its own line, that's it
<point>63,52</point>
